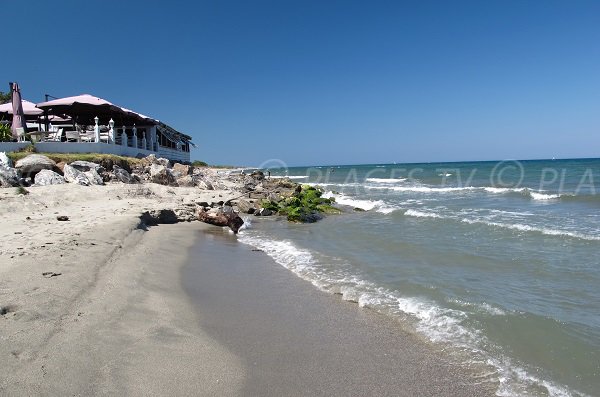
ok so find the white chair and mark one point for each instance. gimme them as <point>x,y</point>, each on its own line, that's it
<point>54,135</point>
<point>20,134</point>
<point>72,136</point>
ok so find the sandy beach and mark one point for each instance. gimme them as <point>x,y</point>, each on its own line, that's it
<point>109,316</point>
<point>103,305</point>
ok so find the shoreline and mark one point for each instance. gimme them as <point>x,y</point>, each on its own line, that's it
<point>296,340</point>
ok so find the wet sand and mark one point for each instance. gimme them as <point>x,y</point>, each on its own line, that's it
<point>294,340</point>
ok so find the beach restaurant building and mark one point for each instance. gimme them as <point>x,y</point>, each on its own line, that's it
<point>88,124</point>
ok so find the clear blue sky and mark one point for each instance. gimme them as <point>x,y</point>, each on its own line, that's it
<point>327,82</point>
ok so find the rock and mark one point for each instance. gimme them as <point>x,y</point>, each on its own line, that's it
<point>84,166</point>
<point>136,178</point>
<point>5,160</point>
<point>60,166</point>
<point>159,217</point>
<point>310,217</point>
<point>163,161</point>
<point>51,274</point>
<point>151,159</point>
<point>121,175</point>
<point>62,218</point>
<point>73,175</point>
<point>246,206</point>
<point>264,212</point>
<point>9,177</point>
<point>220,218</point>
<point>182,169</point>
<point>33,164</point>
<point>47,177</point>
<point>161,175</point>
<point>358,209</point>
<point>186,181</point>
<point>185,214</point>
<point>204,184</point>
<point>93,176</point>
<point>258,175</point>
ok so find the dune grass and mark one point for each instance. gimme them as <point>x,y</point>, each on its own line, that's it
<point>70,157</point>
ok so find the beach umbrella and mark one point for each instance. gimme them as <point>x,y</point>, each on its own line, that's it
<point>86,107</point>
<point>29,109</point>
<point>18,119</point>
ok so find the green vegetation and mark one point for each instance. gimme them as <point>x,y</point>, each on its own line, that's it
<point>70,157</point>
<point>305,205</point>
<point>5,97</point>
<point>5,133</point>
<point>199,163</point>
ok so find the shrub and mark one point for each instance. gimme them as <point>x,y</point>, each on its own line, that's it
<point>5,133</point>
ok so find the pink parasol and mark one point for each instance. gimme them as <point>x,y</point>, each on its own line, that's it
<point>29,109</point>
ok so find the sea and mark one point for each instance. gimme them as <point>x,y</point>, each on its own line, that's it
<point>495,263</point>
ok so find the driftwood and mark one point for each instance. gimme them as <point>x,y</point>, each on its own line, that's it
<point>221,218</point>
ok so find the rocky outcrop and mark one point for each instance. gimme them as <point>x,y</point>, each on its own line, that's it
<point>34,163</point>
<point>48,177</point>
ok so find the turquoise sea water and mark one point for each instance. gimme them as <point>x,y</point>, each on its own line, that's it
<point>497,263</point>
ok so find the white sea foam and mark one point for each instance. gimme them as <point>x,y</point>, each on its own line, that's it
<point>529,228</point>
<point>421,214</point>
<point>512,226</point>
<point>367,205</point>
<point>386,180</point>
<point>445,174</point>
<point>289,176</point>
<point>428,189</point>
<point>502,190</point>
<point>543,196</point>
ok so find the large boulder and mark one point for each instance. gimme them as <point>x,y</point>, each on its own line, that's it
<point>221,218</point>
<point>73,175</point>
<point>161,175</point>
<point>246,206</point>
<point>181,169</point>
<point>85,166</point>
<point>9,177</point>
<point>94,177</point>
<point>5,160</point>
<point>204,184</point>
<point>33,164</point>
<point>48,177</point>
<point>121,174</point>
<point>186,181</point>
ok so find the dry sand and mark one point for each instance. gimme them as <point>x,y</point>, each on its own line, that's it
<point>114,320</point>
